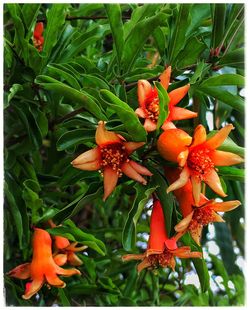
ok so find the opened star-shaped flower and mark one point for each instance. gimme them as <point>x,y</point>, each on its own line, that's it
<point>197,157</point>
<point>149,103</point>
<point>42,269</point>
<point>38,39</point>
<point>111,156</point>
<point>161,250</point>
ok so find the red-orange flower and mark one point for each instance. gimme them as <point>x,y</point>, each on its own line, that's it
<point>149,103</point>
<point>111,157</point>
<point>196,217</point>
<point>161,250</point>
<point>197,157</point>
<point>38,39</point>
<point>42,268</point>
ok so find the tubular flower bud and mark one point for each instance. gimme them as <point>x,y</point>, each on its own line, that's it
<point>111,158</point>
<point>161,251</point>
<point>42,268</point>
<point>149,103</point>
<point>38,39</point>
<point>198,159</point>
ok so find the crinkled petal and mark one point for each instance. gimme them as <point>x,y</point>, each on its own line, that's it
<point>60,259</point>
<point>54,280</point>
<point>183,179</point>
<point>225,206</point>
<point>171,244</point>
<point>67,272</point>
<point>221,158</point>
<point>129,257</point>
<point>196,189</point>
<point>200,135</point>
<point>132,146</point>
<point>61,242</point>
<point>144,90</point>
<point>72,247</point>
<point>216,217</point>
<point>103,136</point>
<point>74,260</point>
<point>32,288</point>
<point>177,94</point>
<point>140,169</point>
<point>219,137</point>
<point>177,114</point>
<point>149,125</point>
<point>168,125</point>
<point>185,252</point>
<point>91,166</point>
<point>165,77</point>
<point>86,157</point>
<point>110,178</point>
<point>144,264</point>
<point>184,223</point>
<point>196,233</point>
<point>182,158</point>
<point>21,272</point>
<point>141,112</point>
<point>132,173</point>
<point>212,180</point>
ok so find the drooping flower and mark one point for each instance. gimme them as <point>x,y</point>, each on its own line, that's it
<point>161,250</point>
<point>149,103</point>
<point>111,157</point>
<point>38,39</point>
<point>42,268</point>
<point>196,217</point>
<point>197,157</point>
<point>65,251</point>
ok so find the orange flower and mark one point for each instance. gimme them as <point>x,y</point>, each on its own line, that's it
<point>161,250</point>
<point>38,39</point>
<point>149,103</point>
<point>42,268</point>
<point>197,157</point>
<point>111,157</point>
<point>195,217</point>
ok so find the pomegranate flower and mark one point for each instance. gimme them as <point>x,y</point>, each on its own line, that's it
<point>42,268</point>
<point>149,103</point>
<point>38,39</point>
<point>196,217</point>
<point>197,157</point>
<point>161,250</point>
<point>111,158</point>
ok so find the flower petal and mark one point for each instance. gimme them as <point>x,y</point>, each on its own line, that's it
<point>32,288</point>
<point>196,233</point>
<point>177,114</point>
<point>212,180</point>
<point>170,244</point>
<point>200,135</point>
<point>38,31</point>
<point>132,173</point>
<point>129,257</point>
<point>216,217</point>
<point>74,260</point>
<point>67,272</point>
<point>167,125</point>
<point>61,242</point>
<point>91,166</point>
<point>165,77</point>
<point>110,178</point>
<point>144,90</point>
<point>141,113</point>
<point>103,136</point>
<point>177,94</point>
<point>184,223</point>
<point>132,146</point>
<point>183,252</point>
<point>221,158</point>
<point>144,264</point>
<point>182,158</point>
<point>140,169</point>
<point>183,179</point>
<point>54,280</point>
<point>21,272</point>
<point>149,125</point>
<point>60,259</point>
<point>196,189</point>
<point>219,137</point>
<point>226,205</point>
<point>86,157</point>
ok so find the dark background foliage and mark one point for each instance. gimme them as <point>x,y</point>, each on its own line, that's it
<point>93,55</point>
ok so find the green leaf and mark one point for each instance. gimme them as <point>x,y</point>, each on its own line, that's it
<point>75,137</point>
<point>59,71</point>
<point>224,79</point>
<point>163,104</point>
<point>218,15</point>
<point>55,20</point>
<point>63,297</point>
<point>129,232</point>
<point>72,94</point>
<point>30,12</point>
<point>231,173</point>
<point>136,38</point>
<point>13,90</point>
<point>115,20</point>
<point>126,115</point>
<point>234,59</point>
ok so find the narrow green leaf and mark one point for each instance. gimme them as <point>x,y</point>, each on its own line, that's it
<point>163,104</point>
<point>13,90</point>
<point>234,59</point>
<point>30,12</point>
<point>64,299</point>
<point>224,79</point>
<point>218,15</point>
<point>75,137</point>
<point>59,71</point>
<point>126,115</point>
<point>232,173</point>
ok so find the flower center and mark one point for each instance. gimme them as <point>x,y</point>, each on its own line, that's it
<point>113,155</point>
<point>163,259</point>
<point>152,106</point>
<point>202,216</point>
<point>200,162</point>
